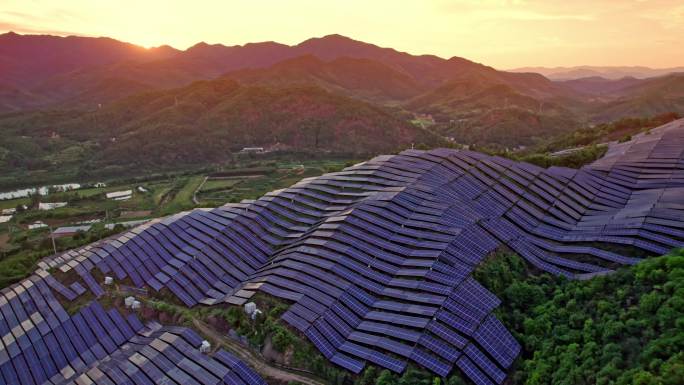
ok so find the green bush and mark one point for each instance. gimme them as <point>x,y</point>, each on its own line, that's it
<point>623,328</point>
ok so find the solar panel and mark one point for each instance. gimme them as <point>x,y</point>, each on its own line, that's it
<point>377,260</point>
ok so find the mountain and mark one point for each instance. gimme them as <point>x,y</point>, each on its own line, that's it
<point>27,60</point>
<point>649,97</point>
<point>202,123</point>
<point>495,87</point>
<point>524,105</point>
<point>630,97</point>
<point>469,101</point>
<point>608,72</point>
<point>597,85</point>
<point>93,84</point>
<point>362,78</point>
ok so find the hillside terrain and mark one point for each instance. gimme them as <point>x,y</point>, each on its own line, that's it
<point>597,86</point>
<point>93,103</point>
<point>361,78</point>
<point>203,123</point>
<point>647,97</point>
<point>618,329</point>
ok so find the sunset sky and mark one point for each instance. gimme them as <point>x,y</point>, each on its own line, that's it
<point>504,34</point>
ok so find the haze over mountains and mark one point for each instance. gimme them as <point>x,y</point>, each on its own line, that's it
<point>78,99</point>
<point>606,72</point>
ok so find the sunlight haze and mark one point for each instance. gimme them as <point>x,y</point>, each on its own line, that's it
<point>503,34</point>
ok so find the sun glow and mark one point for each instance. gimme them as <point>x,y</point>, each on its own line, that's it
<point>504,34</point>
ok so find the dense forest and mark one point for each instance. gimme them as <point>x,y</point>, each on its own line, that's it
<point>622,328</point>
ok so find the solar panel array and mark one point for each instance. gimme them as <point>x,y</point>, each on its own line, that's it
<point>377,259</point>
<point>40,343</point>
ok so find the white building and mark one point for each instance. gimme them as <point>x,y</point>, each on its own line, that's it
<point>128,224</point>
<point>69,231</point>
<point>250,307</point>
<point>128,301</point>
<point>252,150</point>
<point>37,225</point>
<point>5,218</point>
<point>50,205</point>
<point>120,195</point>
<point>205,347</point>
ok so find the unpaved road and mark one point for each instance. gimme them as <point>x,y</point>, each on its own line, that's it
<point>257,363</point>
<point>194,193</point>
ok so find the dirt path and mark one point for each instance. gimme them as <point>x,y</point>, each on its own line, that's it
<point>194,193</point>
<point>256,362</point>
<point>4,240</point>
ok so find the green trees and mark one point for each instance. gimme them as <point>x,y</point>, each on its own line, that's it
<point>626,328</point>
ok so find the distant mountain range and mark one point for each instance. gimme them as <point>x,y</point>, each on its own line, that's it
<point>607,72</point>
<point>102,100</point>
<point>129,69</point>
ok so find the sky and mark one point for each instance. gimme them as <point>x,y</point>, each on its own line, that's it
<point>502,33</point>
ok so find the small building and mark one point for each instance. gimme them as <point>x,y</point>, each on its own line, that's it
<point>252,150</point>
<point>5,218</point>
<point>37,225</point>
<point>128,301</point>
<point>9,211</point>
<point>142,189</point>
<point>251,310</point>
<point>127,225</point>
<point>50,205</point>
<point>120,195</point>
<point>205,347</point>
<point>250,307</point>
<point>69,231</point>
<point>100,185</point>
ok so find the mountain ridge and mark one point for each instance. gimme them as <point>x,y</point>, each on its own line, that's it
<point>608,72</point>
<point>463,100</point>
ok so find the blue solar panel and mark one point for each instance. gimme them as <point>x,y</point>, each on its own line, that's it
<point>380,254</point>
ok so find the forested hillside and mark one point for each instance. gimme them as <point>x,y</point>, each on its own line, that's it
<point>203,123</point>
<point>623,328</point>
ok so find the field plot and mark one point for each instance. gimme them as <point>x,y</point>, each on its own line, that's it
<point>21,247</point>
<point>251,183</point>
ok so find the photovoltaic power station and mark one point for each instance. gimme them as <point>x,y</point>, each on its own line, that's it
<point>375,260</point>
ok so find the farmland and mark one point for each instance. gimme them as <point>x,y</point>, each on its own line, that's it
<point>21,247</point>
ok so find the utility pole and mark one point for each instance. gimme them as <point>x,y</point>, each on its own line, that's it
<point>54,247</point>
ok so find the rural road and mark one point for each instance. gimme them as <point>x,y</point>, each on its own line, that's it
<point>194,193</point>
<point>249,357</point>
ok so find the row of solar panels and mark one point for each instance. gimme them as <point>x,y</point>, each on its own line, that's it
<point>396,255</point>
<point>375,257</point>
<point>41,344</point>
<point>168,355</point>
